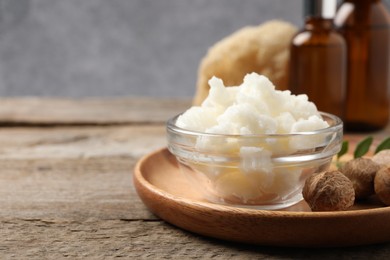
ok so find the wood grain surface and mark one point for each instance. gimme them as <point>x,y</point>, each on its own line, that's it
<point>55,111</point>
<point>66,187</point>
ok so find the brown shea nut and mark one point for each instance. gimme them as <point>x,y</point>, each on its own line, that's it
<point>382,158</point>
<point>328,191</point>
<point>361,172</point>
<point>382,185</point>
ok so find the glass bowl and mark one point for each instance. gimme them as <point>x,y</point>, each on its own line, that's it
<point>255,171</point>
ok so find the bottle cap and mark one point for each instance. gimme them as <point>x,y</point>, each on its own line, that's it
<point>320,8</point>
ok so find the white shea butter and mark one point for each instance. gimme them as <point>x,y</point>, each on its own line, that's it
<point>253,108</point>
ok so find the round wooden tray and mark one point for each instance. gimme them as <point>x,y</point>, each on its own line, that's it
<point>170,196</point>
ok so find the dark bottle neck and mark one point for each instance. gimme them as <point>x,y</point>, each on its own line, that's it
<point>319,8</point>
<point>318,23</point>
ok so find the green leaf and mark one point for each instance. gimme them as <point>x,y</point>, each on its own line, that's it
<point>363,147</point>
<point>383,145</point>
<point>339,164</point>
<point>344,149</point>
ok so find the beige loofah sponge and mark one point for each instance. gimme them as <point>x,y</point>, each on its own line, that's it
<point>263,49</point>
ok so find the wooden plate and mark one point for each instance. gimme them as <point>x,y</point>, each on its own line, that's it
<point>167,194</point>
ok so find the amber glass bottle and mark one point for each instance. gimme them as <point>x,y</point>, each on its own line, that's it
<point>365,24</point>
<point>318,59</point>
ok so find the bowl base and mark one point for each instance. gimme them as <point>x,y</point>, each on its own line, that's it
<point>276,206</point>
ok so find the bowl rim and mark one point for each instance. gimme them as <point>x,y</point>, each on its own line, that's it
<point>338,124</point>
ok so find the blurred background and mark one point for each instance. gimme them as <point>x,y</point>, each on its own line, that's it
<point>81,48</point>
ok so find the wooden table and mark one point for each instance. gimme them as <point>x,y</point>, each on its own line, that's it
<point>66,186</point>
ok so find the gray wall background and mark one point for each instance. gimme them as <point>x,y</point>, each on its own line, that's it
<point>80,48</point>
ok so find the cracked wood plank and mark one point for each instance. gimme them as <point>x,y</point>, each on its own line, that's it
<point>75,190</point>
<point>21,143</point>
<point>73,173</point>
<point>37,239</point>
<point>88,111</point>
